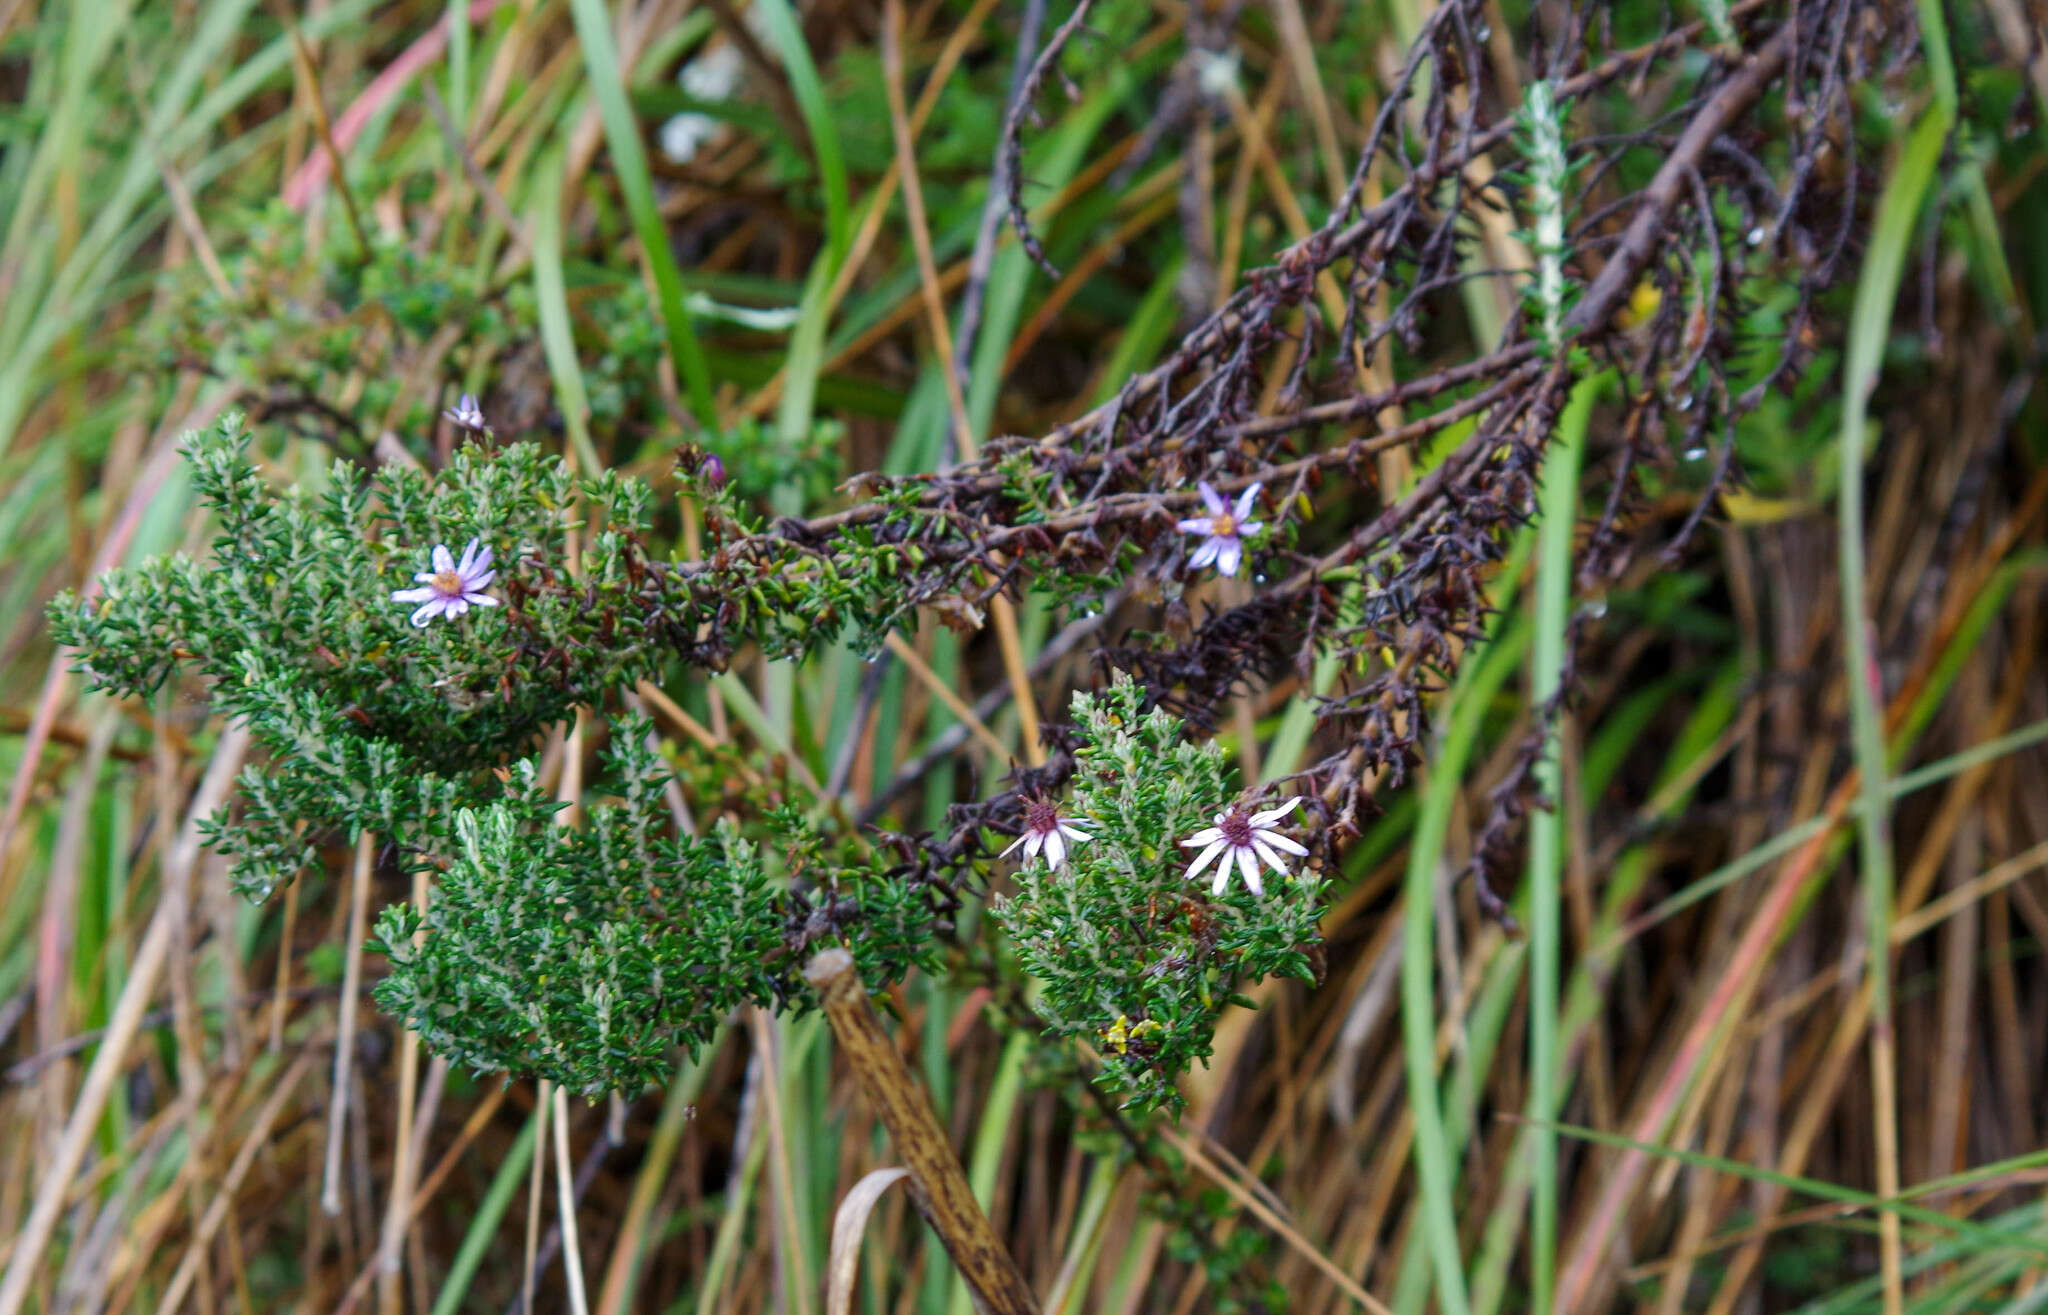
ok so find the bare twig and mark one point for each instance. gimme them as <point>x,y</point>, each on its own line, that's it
<point>345,1034</point>
<point>999,202</point>
<point>1011,149</point>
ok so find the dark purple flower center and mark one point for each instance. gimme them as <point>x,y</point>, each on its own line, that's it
<point>1236,826</point>
<point>1041,816</point>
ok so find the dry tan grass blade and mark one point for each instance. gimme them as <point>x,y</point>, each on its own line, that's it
<point>849,1224</point>
<point>150,957</point>
<point>1282,1227</point>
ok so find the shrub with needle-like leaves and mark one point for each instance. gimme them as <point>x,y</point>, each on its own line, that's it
<point>1131,957</point>
<point>584,954</point>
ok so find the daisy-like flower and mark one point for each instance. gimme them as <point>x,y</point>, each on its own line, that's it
<point>1247,839</point>
<point>466,414</point>
<point>1045,830</point>
<point>450,588</point>
<point>1225,527</point>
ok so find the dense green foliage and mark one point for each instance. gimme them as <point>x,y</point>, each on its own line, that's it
<point>588,954</point>
<point>1132,959</point>
<point>372,723</point>
<point>837,542</point>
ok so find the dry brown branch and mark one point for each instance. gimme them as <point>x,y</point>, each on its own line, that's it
<point>937,1182</point>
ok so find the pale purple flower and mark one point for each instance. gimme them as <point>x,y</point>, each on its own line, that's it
<point>466,414</point>
<point>1247,839</point>
<point>1225,527</point>
<point>1045,830</point>
<point>450,588</point>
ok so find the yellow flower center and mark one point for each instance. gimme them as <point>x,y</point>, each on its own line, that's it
<point>1223,526</point>
<point>448,582</point>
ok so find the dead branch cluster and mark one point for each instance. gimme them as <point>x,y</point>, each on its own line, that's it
<point>1749,174</point>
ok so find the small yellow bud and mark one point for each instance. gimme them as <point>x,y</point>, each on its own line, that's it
<point>1642,303</point>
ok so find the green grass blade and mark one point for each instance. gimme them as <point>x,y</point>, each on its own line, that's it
<point>1934,40</point>
<point>1144,334</point>
<point>678,1109</point>
<point>458,62</point>
<point>997,1124</point>
<point>622,136</point>
<point>1898,216</point>
<point>1476,1051</point>
<point>1477,684</point>
<point>558,339</point>
<point>1790,839</point>
<point>1699,737</point>
<point>787,35</point>
<point>1558,517</point>
<point>2036,1297</point>
<point>1985,1236</point>
<point>483,1228</point>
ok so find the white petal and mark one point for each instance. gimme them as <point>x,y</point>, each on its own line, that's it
<point>482,600</point>
<point>455,606</point>
<point>1202,861</point>
<point>1196,525</point>
<point>1246,500</point>
<point>423,577</point>
<point>1268,856</point>
<point>1208,835</point>
<point>1013,845</point>
<point>483,560</point>
<point>1034,843</point>
<point>1205,554</point>
<point>1055,849</point>
<point>1232,554</point>
<point>415,595</point>
<point>1222,882</point>
<point>427,613</point>
<point>481,579</point>
<point>1073,832</point>
<point>468,557</point>
<point>1278,841</point>
<point>1249,866</point>
<point>1246,529</point>
<point>1217,506</point>
<point>1272,815</point>
<point>443,559</point>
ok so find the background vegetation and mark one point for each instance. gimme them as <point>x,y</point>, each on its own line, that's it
<point>1773,959</point>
